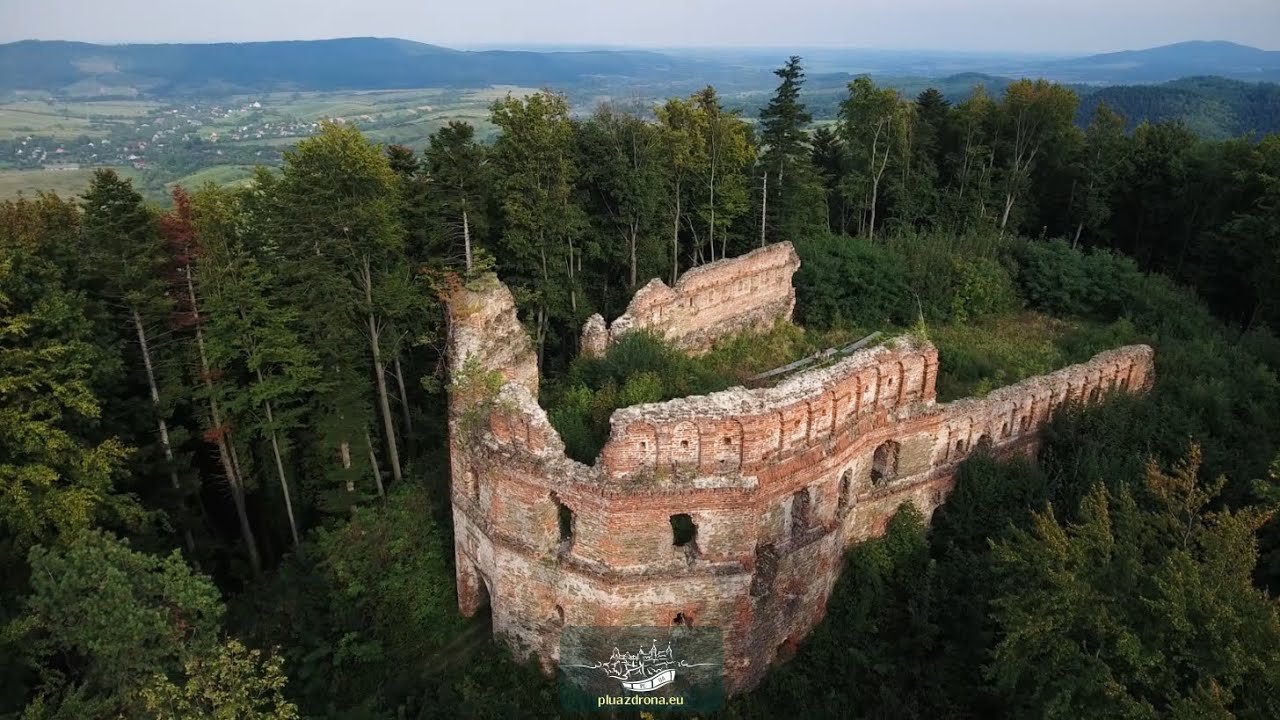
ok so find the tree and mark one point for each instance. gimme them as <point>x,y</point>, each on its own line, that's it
<point>178,229</point>
<point>54,483</point>
<point>340,239</point>
<point>236,683</point>
<point>831,159</point>
<point>973,158</point>
<point>1104,148</point>
<point>727,153</point>
<point>1144,607</point>
<point>682,135</point>
<point>124,615</point>
<point>871,126</point>
<point>1033,116</point>
<point>457,166</point>
<point>252,337</point>
<point>129,263</point>
<point>533,162</point>
<point>623,166</point>
<point>788,174</point>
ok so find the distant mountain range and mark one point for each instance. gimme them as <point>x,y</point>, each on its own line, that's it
<point>1170,62</point>
<point>72,69</point>
<point>87,70</point>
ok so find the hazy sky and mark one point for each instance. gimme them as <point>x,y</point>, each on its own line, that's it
<point>983,25</point>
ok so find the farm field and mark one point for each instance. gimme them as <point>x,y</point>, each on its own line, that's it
<point>63,182</point>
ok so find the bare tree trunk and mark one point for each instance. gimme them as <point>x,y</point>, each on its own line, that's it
<point>226,449</point>
<point>466,236</point>
<point>379,374</point>
<point>275,451</point>
<point>875,198</point>
<point>711,233</point>
<point>573,291</point>
<point>675,241</point>
<point>344,453</point>
<point>160,423</point>
<point>404,398</point>
<point>373,462</point>
<point>633,243</point>
<point>764,206</point>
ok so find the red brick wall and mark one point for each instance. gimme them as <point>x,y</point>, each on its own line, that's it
<point>735,462</point>
<point>708,302</point>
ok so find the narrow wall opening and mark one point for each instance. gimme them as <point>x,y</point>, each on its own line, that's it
<point>846,487</point>
<point>566,523</point>
<point>800,501</point>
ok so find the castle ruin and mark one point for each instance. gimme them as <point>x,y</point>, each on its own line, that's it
<point>732,509</point>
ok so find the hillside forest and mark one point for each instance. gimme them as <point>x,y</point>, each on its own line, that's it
<point>223,474</point>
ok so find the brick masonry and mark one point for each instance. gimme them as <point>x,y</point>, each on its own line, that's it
<point>778,481</point>
<point>743,293</point>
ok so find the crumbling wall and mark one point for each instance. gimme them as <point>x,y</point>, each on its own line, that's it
<point>752,291</point>
<point>776,482</point>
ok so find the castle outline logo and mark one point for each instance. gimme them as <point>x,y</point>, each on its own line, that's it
<point>655,669</point>
<point>643,670</point>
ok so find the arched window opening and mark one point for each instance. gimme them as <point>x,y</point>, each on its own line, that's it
<point>884,463</point>
<point>684,532</point>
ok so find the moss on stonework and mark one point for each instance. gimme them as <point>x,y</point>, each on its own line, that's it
<point>474,389</point>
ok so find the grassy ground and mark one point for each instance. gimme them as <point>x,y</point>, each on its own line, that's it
<point>68,120</point>
<point>975,358</point>
<point>63,182</point>
<point>218,175</point>
<point>16,122</point>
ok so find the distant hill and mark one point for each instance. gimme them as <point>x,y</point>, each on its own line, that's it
<point>1211,106</point>
<point>85,70</point>
<point>1169,62</point>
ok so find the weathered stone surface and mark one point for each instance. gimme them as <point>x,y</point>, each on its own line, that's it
<point>708,302</point>
<point>778,481</point>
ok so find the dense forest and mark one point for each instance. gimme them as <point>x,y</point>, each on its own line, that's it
<point>223,481</point>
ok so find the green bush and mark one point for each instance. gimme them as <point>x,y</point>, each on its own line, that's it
<point>851,281</point>
<point>982,288</point>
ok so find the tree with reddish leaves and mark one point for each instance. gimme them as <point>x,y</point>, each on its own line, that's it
<point>177,227</point>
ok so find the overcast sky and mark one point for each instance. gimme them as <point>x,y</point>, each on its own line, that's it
<point>980,25</point>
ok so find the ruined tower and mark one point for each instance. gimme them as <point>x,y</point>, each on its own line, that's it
<point>732,509</point>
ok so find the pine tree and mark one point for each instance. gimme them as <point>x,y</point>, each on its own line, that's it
<point>790,187</point>
<point>130,267</point>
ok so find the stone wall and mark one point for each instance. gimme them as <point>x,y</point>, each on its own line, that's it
<point>708,302</point>
<point>778,482</point>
